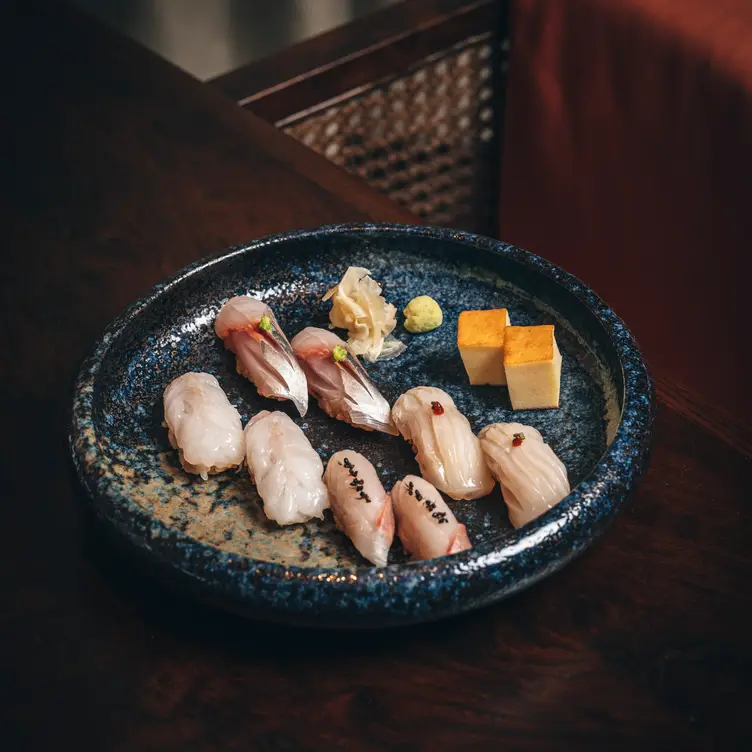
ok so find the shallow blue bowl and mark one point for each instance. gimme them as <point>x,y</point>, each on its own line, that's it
<point>211,539</point>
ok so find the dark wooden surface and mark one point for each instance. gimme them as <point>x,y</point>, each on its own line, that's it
<point>116,170</point>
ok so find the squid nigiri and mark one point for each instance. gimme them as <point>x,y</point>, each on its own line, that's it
<point>447,450</point>
<point>362,508</point>
<point>264,356</point>
<point>285,468</point>
<point>425,524</point>
<point>338,381</point>
<point>203,426</point>
<point>533,479</point>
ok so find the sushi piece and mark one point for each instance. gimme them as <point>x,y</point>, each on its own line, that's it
<point>533,479</point>
<point>362,508</point>
<point>338,381</point>
<point>285,468</point>
<point>425,524</point>
<point>203,426</point>
<point>447,450</point>
<point>264,356</point>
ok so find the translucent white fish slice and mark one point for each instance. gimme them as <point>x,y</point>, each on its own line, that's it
<point>426,525</point>
<point>339,382</point>
<point>285,468</point>
<point>362,508</point>
<point>264,355</point>
<point>533,479</point>
<point>447,450</point>
<point>203,425</point>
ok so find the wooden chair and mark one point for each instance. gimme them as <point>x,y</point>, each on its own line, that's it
<point>410,99</point>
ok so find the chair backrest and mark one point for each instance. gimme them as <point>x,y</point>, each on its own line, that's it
<point>410,99</point>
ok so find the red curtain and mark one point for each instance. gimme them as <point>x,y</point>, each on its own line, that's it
<point>628,160</point>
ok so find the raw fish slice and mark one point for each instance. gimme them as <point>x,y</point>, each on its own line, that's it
<point>425,524</point>
<point>264,356</point>
<point>342,387</point>
<point>447,450</point>
<point>285,468</point>
<point>362,508</point>
<point>203,425</point>
<point>533,479</point>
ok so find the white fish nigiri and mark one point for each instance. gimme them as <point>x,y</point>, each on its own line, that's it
<point>285,468</point>
<point>447,450</point>
<point>264,356</point>
<point>425,524</point>
<point>338,381</point>
<point>533,479</point>
<point>362,508</point>
<point>203,425</point>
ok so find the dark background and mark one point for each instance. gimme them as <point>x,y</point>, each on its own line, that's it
<point>209,37</point>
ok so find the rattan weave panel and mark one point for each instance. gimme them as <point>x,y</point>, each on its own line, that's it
<point>427,139</point>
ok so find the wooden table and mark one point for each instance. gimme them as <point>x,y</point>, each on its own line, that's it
<point>118,169</point>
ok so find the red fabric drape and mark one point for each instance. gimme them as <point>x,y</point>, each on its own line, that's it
<point>628,160</point>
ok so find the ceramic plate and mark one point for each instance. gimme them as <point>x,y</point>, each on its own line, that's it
<point>211,538</point>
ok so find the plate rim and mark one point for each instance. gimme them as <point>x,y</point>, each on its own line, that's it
<point>487,572</point>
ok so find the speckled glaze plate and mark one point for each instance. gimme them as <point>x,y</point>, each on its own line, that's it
<point>211,539</point>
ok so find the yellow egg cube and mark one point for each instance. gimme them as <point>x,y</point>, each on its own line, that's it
<point>532,362</point>
<point>480,339</point>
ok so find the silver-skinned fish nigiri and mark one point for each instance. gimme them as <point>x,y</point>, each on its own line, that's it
<point>203,425</point>
<point>264,355</point>
<point>533,479</point>
<point>426,525</point>
<point>362,508</point>
<point>446,448</point>
<point>285,468</point>
<point>338,381</point>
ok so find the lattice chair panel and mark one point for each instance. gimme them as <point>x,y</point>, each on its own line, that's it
<point>429,139</point>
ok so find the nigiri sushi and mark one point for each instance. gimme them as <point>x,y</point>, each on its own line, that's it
<point>203,425</point>
<point>338,381</point>
<point>533,479</point>
<point>362,508</point>
<point>285,468</point>
<point>264,356</point>
<point>447,450</point>
<point>425,524</point>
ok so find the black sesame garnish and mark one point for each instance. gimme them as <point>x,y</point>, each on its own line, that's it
<point>430,506</point>
<point>351,469</point>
